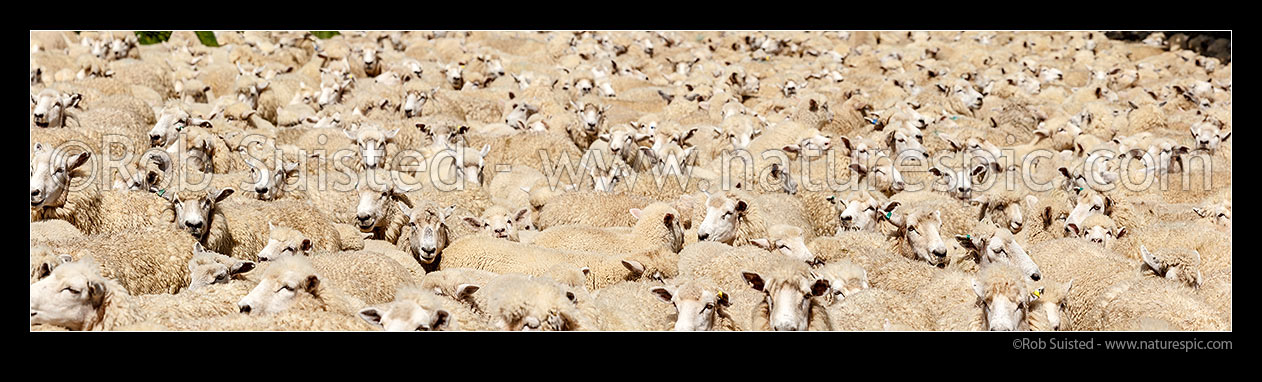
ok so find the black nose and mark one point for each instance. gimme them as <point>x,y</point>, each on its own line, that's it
<point>702,236</point>
<point>362,218</point>
<point>39,115</point>
<point>940,253</point>
<point>499,230</point>
<point>846,218</point>
<point>261,190</point>
<point>193,225</point>
<point>1035,277</point>
<point>35,193</point>
<point>245,309</point>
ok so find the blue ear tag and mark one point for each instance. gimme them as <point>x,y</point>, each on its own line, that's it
<point>969,237</point>
<point>162,191</point>
<point>954,117</point>
<point>889,214</point>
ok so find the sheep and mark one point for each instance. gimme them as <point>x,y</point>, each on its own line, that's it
<point>790,289</point>
<point>501,256</point>
<point>502,223</point>
<point>1047,310</point>
<point>992,244</point>
<point>99,303</point>
<point>632,306</point>
<point>518,302</point>
<point>878,309</point>
<point>1170,302</point>
<point>1003,294</point>
<point>417,309</point>
<point>144,260</point>
<point>599,209</point>
<point>789,241</point>
<point>208,268</point>
<point>658,224</point>
<point>736,217</point>
<point>1099,229</point>
<point>53,230</point>
<point>1005,207</point>
<point>1180,266</point>
<point>292,283</point>
<point>51,108</point>
<point>699,305</point>
<point>918,233</point>
<point>1092,269</point>
<point>426,232</point>
<point>247,236</point>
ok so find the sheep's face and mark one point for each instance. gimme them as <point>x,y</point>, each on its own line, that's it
<point>696,308</point>
<point>208,268</point>
<point>196,215</point>
<point>1049,310</point>
<point>1088,203</point>
<point>779,175</point>
<point>920,232</point>
<point>429,231</point>
<point>372,62</point>
<point>741,134</point>
<point>883,177</point>
<point>965,94</point>
<point>455,75</point>
<point>50,175</point>
<point>69,297</point>
<point>269,183</point>
<point>406,316</point>
<point>50,107</point>
<point>280,289</point>
<point>860,149</point>
<point>847,281</point>
<point>43,262</point>
<point>167,129</point>
<point>1207,136</point>
<point>372,144</point>
<point>333,85</point>
<point>518,114</point>
<point>722,218</point>
<point>1050,75</point>
<point>470,164</point>
<point>1004,309</point>
<point>960,183</point>
<point>1065,134</point>
<point>906,143</point>
<point>374,203</point>
<point>1003,248</point>
<point>792,246</point>
<point>788,301</point>
<point>282,242</point>
<point>604,179</point>
<point>501,223</point>
<point>1220,213</point>
<point>414,101</point>
<point>550,321</point>
<point>1006,214</point>
<point>249,94</point>
<point>1178,265</point>
<point>814,140</point>
<point>622,142</point>
<point>120,47</point>
<point>98,48</point>
<point>591,116</point>
<point>856,214</point>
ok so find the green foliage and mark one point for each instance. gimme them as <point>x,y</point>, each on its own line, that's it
<point>324,34</point>
<point>150,37</point>
<point>207,38</point>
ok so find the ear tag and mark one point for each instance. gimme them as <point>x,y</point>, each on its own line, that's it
<point>1037,293</point>
<point>889,214</point>
<point>161,192</point>
<point>954,117</point>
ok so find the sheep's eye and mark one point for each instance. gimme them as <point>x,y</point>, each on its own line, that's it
<point>285,287</point>
<point>727,215</point>
<point>385,194</point>
<point>708,307</point>
<point>72,291</point>
<point>782,246</point>
<point>422,328</point>
<point>911,229</point>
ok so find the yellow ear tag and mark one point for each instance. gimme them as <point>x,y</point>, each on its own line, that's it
<point>1037,293</point>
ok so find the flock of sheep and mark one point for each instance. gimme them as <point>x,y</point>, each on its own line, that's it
<point>628,181</point>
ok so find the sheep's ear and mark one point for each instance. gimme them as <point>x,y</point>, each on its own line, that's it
<point>1073,229</point>
<point>463,291</point>
<point>241,267</point>
<point>306,245</point>
<point>635,212</point>
<point>1224,139</point>
<point>77,160</point>
<point>668,220</point>
<point>390,134</point>
<point>820,287</point>
<point>371,314</point>
<point>311,283</point>
<point>442,319</point>
<point>978,290</point>
<point>890,206</point>
<point>349,134</point>
<point>762,243</point>
<point>753,279</point>
<point>662,293</point>
<point>969,243</point>
<point>521,215</point>
<point>635,267</point>
<point>96,292</point>
<point>223,194</point>
<point>407,211</point>
<point>485,149</point>
<point>476,223</point>
<point>1150,260</point>
<point>1200,211</point>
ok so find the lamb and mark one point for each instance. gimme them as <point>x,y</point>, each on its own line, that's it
<point>418,309</point>
<point>658,224</point>
<point>501,256</point>
<point>736,217</point>
<point>502,223</point>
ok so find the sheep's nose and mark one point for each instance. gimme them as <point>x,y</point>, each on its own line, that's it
<point>261,190</point>
<point>846,219</point>
<point>39,115</point>
<point>940,252</point>
<point>702,236</point>
<point>245,308</point>
<point>428,250</point>
<point>35,193</point>
<point>499,230</point>
<point>1036,276</point>
<point>193,225</point>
